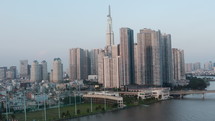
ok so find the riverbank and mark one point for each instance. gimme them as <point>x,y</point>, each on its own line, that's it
<point>139,103</point>
<point>191,108</point>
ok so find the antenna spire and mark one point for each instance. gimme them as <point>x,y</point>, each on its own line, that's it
<point>109,11</point>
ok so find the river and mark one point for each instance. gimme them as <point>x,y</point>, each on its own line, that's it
<point>191,108</point>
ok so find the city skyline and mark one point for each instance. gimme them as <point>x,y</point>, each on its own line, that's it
<point>46,31</point>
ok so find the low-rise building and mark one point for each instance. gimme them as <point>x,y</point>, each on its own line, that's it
<point>104,97</point>
<point>158,93</point>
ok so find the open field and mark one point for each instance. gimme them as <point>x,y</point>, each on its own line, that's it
<point>65,112</point>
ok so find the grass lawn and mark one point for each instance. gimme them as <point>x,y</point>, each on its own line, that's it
<point>65,112</point>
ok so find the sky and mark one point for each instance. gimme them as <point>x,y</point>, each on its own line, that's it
<point>45,29</point>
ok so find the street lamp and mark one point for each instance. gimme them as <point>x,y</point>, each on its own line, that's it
<point>44,106</point>
<point>91,102</point>
<point>75,104</point>
<point>59,105</point>
<point>24,106</point>
<point>105,100</point>
<point>6,107</point>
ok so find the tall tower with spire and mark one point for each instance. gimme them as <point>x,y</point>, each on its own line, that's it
<point>109,33</point>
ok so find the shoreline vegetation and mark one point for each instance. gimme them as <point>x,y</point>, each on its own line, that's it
<point>194,84</point>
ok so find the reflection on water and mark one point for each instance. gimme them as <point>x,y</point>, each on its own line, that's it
<point>191,108</point>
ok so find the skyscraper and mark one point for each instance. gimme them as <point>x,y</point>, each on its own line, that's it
<point>109,68</point>
<point>188,67</point>
<point>57,70</point>
<point>78,64</point>
<point>196,66</point>
<point>101,66</point>
<point>166,57</point>
<point>3,71</point>
<point>178,65</point>
<point>108,73</point>
<point>44,70</point>
<point>14,71</point>
<point>149,61</point>
<point>94,61</point>
<point>24,69</point>
<point>35,71</point>
<point>137,81</point>
<point>116,66</point>
<point>109,35</point>
<point>127,56</point>
<point>208,66</point>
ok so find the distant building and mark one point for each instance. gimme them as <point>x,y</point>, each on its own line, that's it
<point>13,72</point>
<point>44,70</point>
<point>208,66</point>
<point>196,66</point>
<point>3,71</point>
<point>101,66</point>
<point>24,69</point>
<point>188,67</point>
<point>9,74</point>
<point>35,72</point>
<point>57,70</point>
<point>51,76</point>
<point>78,64</point>
<point>93,55</point>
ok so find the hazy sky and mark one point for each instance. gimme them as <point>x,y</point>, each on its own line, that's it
<point>45,29</point>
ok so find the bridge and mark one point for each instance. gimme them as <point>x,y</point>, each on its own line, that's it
<point>181,93</point>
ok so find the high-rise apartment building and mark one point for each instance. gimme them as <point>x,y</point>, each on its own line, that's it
<point>137,81</point>
<point>208,66</point>
<point>188,67</point>
<point>196,66</point>
<point>44,70</point>
<point>166,58</point>
<point>109,68</point>
<point>127,75</point>
<point>93,55</point>
<point>3,71</point>
<point>13,69</point>
<point>149,57</point>
<point>78,64</point>
<point>39,71</point>
<point>24,69</point>
<point>57,70</point>
<point>101,66</point>
<point>178,65</point>
<point>35,72</point>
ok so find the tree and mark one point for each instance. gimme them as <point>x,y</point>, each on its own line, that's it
<point>197,83</point>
